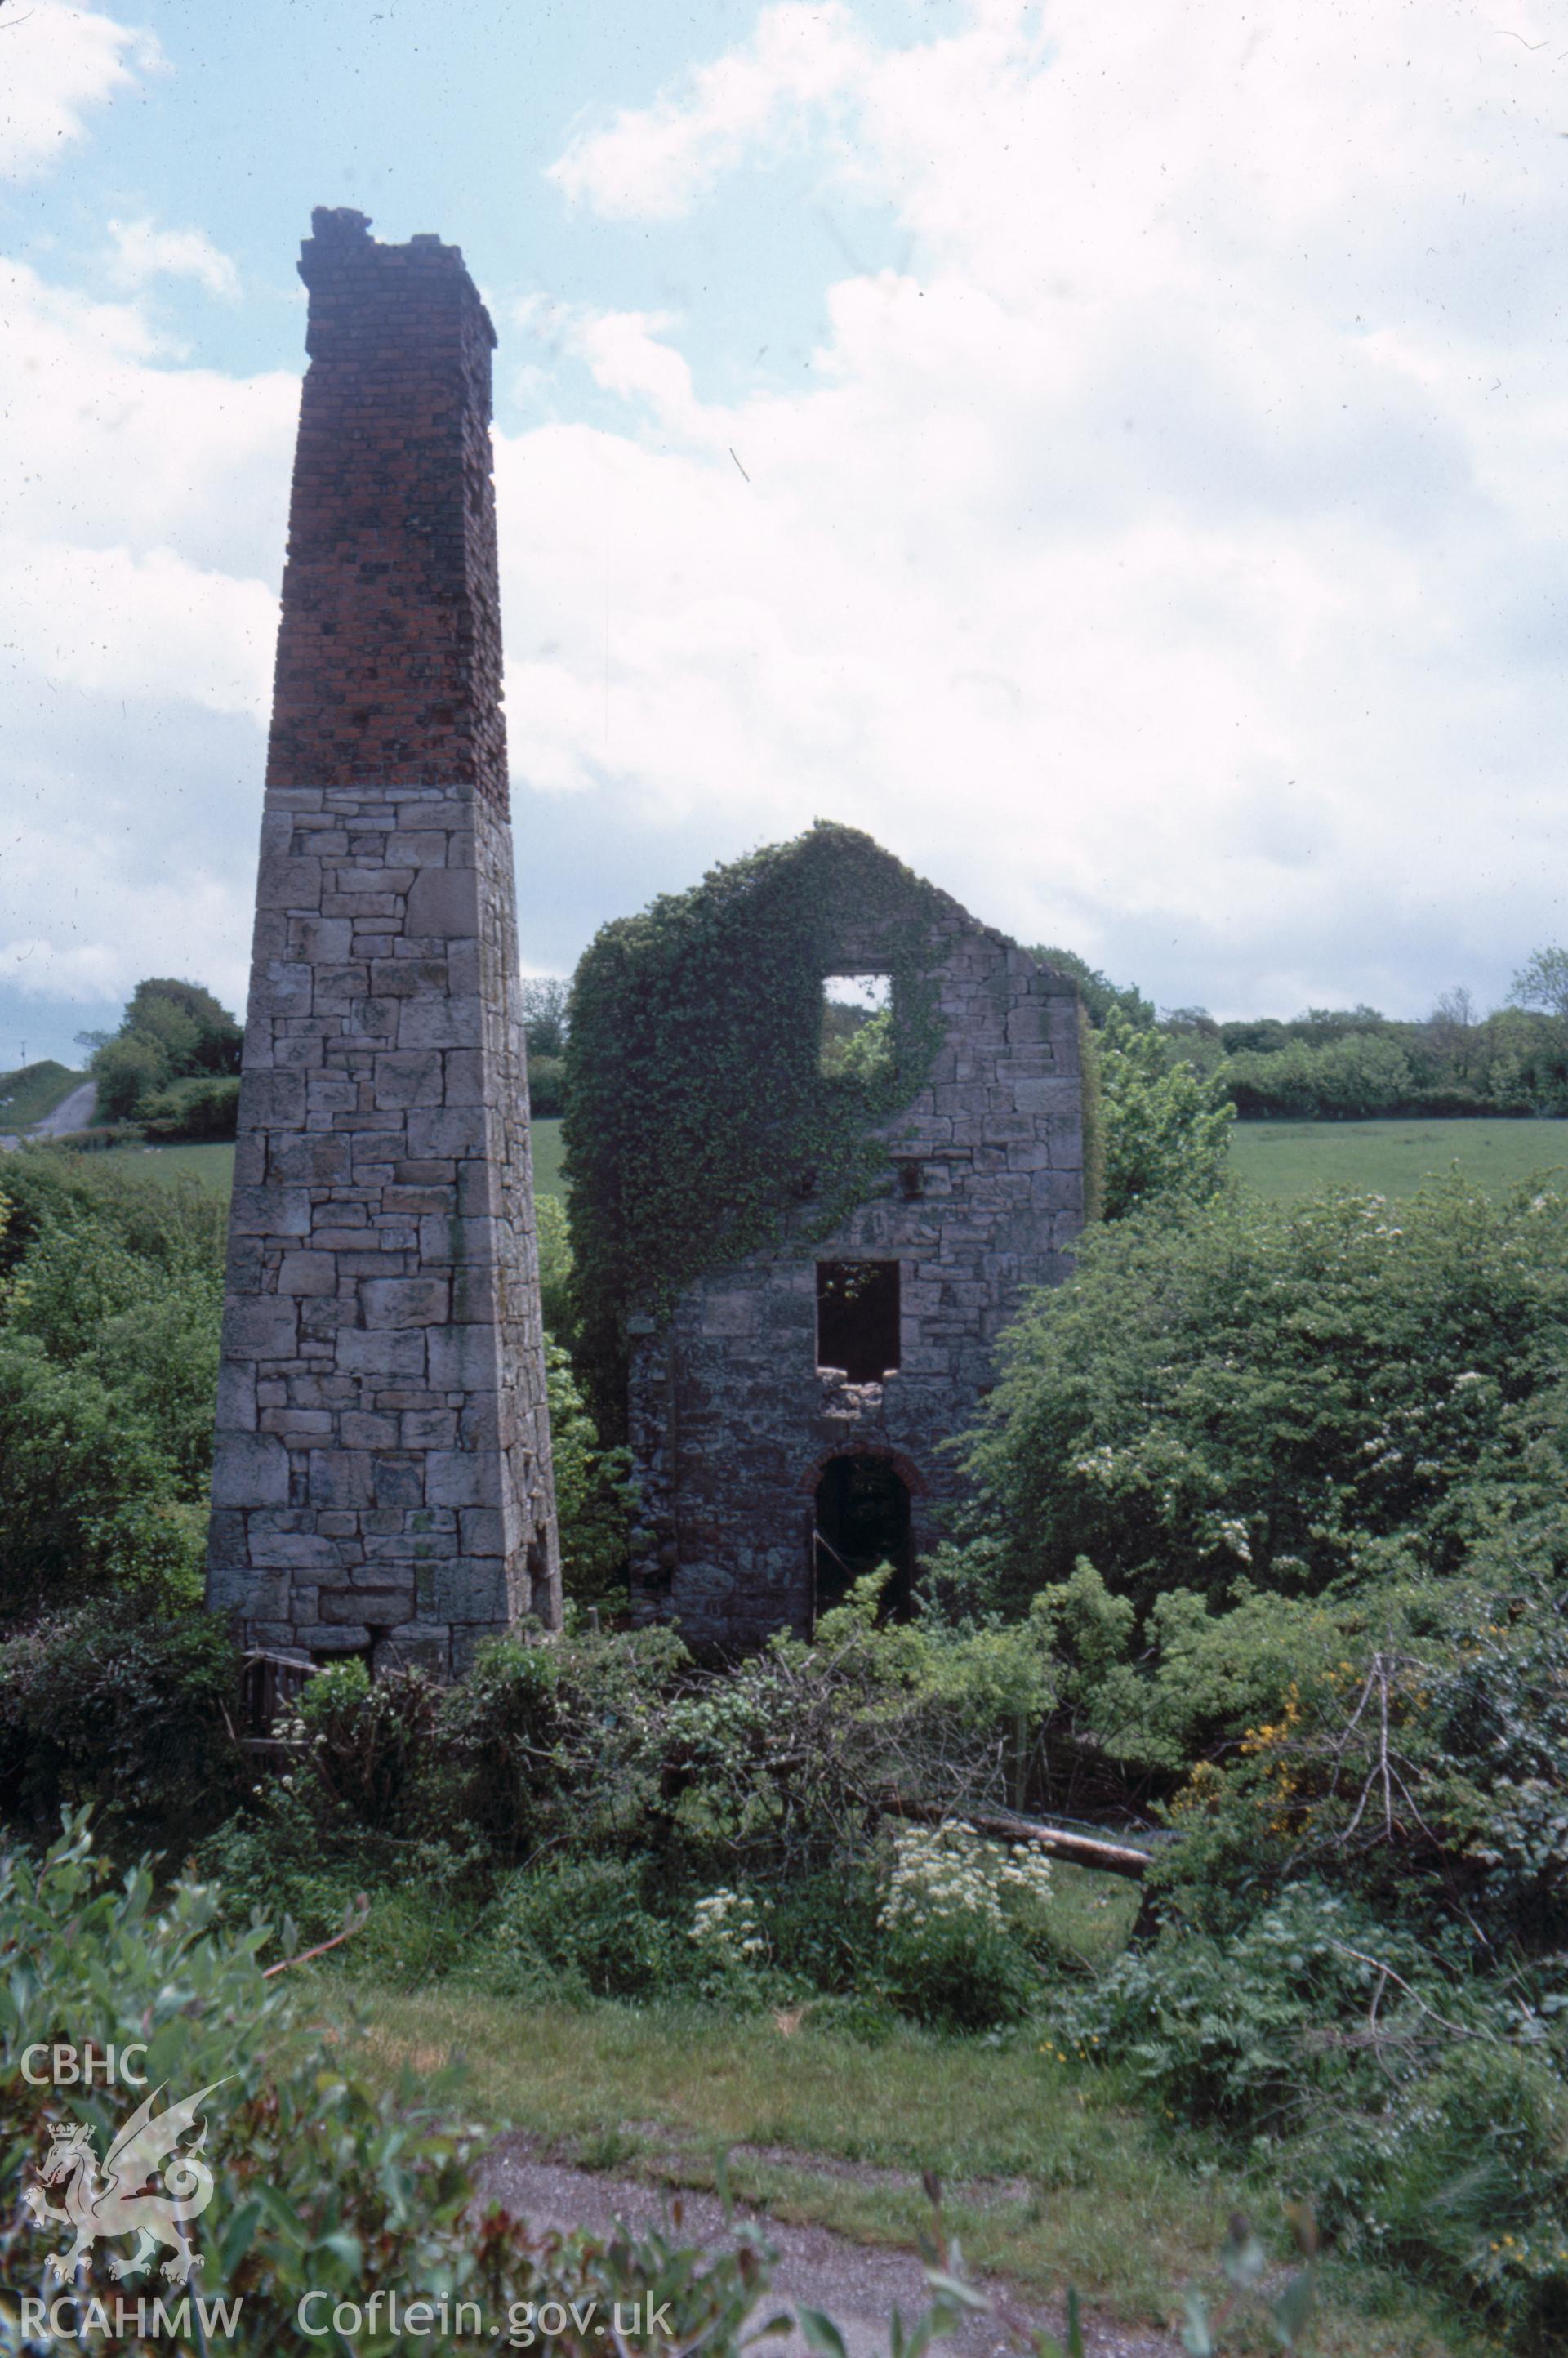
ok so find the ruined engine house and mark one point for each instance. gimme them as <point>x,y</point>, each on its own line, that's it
<point>787,1408</point>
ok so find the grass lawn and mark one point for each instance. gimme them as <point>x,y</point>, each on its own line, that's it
<point>212,1165</point>
<point>1050,2175</point>
<point>546,1137</point>
<point>1285,1159</point>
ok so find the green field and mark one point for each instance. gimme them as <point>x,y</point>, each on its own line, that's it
<point>1286,1159</point>
<point>214,1165</point>
<point>547,1159</point>
<point>1279,1159</point>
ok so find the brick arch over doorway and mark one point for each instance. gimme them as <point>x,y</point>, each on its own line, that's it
<point>908,1472</point>
<point>861,1518</point>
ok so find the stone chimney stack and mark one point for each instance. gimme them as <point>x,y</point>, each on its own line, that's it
<point>382,1482</point>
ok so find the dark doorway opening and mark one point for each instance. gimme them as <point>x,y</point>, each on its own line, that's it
<point>862,1522</point>
<point>856,1318</point>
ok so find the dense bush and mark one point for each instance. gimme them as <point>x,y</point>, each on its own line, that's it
<point>106,1705</point>
<point>578,1927</point>
<point>955,1921</point>
<point>546,1087</point>
<point>614,1773</point>
<point>204,1105</point>
<point>111,1296</point>
<point>1272,1394</point>
<point>1162,1131</point>
<point>1371,2067</point>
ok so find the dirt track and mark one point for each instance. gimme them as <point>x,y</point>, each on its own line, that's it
<point>857,2286</point>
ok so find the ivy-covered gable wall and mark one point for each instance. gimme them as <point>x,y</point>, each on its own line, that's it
<point>714,1164</point>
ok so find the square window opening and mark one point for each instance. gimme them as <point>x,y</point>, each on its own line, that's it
<point>857,1318</point>
<point>857,1040</point>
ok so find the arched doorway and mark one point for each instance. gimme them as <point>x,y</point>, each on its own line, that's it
<point>861,1521</point>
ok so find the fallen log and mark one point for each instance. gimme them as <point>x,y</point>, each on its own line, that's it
<point>1087,1850</point>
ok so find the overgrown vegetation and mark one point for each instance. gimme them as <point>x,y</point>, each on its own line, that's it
<point>111,1297</point>
<point>699,1117</point>
<point>1264,1565</point>
<point>1267,1549</point>
<point>1154,1129</point>
<point>320,2182</point>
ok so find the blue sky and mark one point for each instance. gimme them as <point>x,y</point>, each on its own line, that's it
<point>448,118</point>
<point>1114,458</point>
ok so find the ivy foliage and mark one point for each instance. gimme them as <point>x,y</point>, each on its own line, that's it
<point>700,1119</point>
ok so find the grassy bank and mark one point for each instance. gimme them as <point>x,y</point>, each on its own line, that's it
<point>31,1091</point>
<point>1287,1159</point>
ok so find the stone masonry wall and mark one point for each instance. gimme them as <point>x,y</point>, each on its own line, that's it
<point>382,1479</point>
<point>731,1420</point>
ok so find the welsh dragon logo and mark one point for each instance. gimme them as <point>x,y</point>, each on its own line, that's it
<point>116,2202</point>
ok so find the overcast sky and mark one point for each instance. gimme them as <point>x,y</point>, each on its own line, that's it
<point>1115,455</point>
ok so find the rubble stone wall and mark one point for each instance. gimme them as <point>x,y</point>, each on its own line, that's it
<point>731,1420</point>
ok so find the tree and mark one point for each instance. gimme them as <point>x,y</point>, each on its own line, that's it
<point>543,999</point>
<point>1450,1027</point>
<point>1165,1128</point>
<point>171,1032</point>
<point>201,1035</point>
<point>1098,992</point>
<point>1542,981</point>
<point>128,1068</point>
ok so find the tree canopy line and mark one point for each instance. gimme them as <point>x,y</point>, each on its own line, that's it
<point>171,1067</point>
<point>1355,1064</point>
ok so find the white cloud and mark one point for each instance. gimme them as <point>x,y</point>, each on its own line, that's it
<point>55,63</point>
<point>143,506</point>
<point>657,161</point>
<point>1167,557</point>
<point>120,624</point>
<point>1172,554</point>
<point>103,445</point>
<point>141,252</point>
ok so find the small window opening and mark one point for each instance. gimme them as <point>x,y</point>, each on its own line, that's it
<point>910,1179</point>
<point>857,1025</point>
<point>863,1521</point>
<point>856,1318</point>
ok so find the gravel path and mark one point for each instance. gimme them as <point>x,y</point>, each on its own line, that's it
<point>74,1112</point>
<point>857,2285</point>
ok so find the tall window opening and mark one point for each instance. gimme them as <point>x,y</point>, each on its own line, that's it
<point>856,1318</point>
<point>862,1522</point>
<point>857,1025</point>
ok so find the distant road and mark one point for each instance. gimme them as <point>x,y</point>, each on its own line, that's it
<point>74,1112</point>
